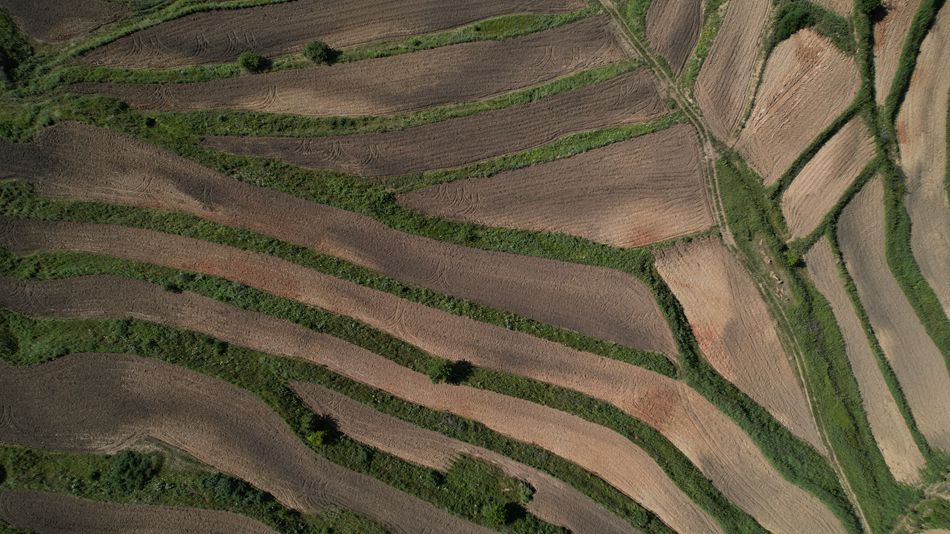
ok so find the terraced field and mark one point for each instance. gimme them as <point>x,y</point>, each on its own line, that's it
<point>531,266</point>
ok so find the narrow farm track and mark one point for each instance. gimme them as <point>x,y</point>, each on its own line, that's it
<point>51,513</point>
<point>593,447</point>
<point>687,419</point>
<point>108,402</point>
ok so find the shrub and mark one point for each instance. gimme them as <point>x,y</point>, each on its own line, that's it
<point>131,471</point>
<point>14,49</point>
<point>234,490</point>
<point>792,18</point>
<point>320,52</point>
<point>252,62</point>
<point>449,372</point>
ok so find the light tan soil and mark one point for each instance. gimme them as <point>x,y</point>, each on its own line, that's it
<point>806,84</point>
<point>841,7</point>
<point>887,423</point>
<point>822,181</point>
<point>599,302</point>
<point>219,36</point>
<point>889,37</point>
<point>726,83</point>
<point>673,28</point>
<point>627,194</point>
<point>51,513</point>
<point>734,330</point>
<point>553,501</point>
<point>922,134</point>
<point>405,82</point>
<point>591,446</point>
<point>108,402</point>
<point>920,367</point>
<point>628,98</point>
<point>55,21</point>
<point>688,420</point>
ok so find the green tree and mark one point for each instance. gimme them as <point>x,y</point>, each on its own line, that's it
<point>252,62</point>
<point>320,52</point>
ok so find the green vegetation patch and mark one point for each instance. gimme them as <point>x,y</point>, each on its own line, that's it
<point>790,16</point>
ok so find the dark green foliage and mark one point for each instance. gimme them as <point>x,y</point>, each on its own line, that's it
<point>321,53</point>
<point>451,372</point>
<point>14,49</point>
<point>252,62</point>
<point>794,15</point>
<point>870,7</point>
<point>131,470</point>
<point>319,429</point>
<point>233,490</point>
<point>923,21</point>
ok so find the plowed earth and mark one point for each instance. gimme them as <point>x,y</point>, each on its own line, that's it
<point>55,21</point>
<point>673,28</point>
<point>889,36</point>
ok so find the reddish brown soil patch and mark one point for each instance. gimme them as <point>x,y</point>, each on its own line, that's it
<point>889,37</point>
<point>822,181</point>
<point>52,513</point>
<point>609,304</point>
<point>727,81</point>
<point>807,82</point>
<point>887,423</point>
<point>219,36</point>
<point>400,83</point>
<point>107,402</point>
<point>553,501</point>
<point>55,21</point>
<point>673,27</point>
<point>920,367</point>
<point>735,331</point>
<point>627,194</point>
<point>688,420</point>
<point>629,98</point>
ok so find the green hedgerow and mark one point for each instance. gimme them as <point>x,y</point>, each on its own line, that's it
<point>320,52</point>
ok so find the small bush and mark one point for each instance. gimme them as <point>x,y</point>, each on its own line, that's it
<point>320,52</point>
<point>234,490</point>
<point>449,372</point>
<point>792,18</point>
<point>131,471</point>
<point>252,62</point>
<point>14,49</point>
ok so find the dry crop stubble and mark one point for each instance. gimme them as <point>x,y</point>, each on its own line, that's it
<point>889,36</point>
<point>673,28</point>
<point>599,302</point>
<point>628,98</point>
<point>108,402</point>
<point>55,21</point>
<point>405,82</point>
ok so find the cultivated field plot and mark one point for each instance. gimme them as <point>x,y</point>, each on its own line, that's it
<point>628,98</point>
<point>54,513</point>
<point>922,136</point>
<point>219,36</point>
<point>56,21</point>
<point>822,181</point>
<point>609,304</point>
<point>887,423</point>
<point>108,402</point>
<point>920,367</point>
<point>889,36</point>
<point>732,325</point>
<point>388,85</point>
<point>673,27</point>
<point>628,194</point>
<point>807,82</point>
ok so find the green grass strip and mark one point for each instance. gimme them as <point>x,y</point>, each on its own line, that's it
<point>923,21</point>
<point>713,14</point>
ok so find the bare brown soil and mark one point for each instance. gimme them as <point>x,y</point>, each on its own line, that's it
<point>608,304</point>
<point>734,330</point>
<point>219,36</point>
<point>108,402</point>
<point>629,98</point>
<point>841,7</point>
<point>627,194</point>
<point>922,134</point>
<point>51,513</point>
<point>822,181</point>
<point>889,36</point>
<point>55,21</point>
<point>920,367</point>
<point>887,423</point>
<point>591,446</point>
<point>553,501</point>
<point>405,82</point>
<point>806,84</point>
<point>726,83</point>
<point>688,420</point>
<point>673,28</point>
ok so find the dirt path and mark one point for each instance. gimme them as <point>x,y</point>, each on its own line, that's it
<point>673,28</point>
<point>51,513</point>
<point>599,302</point>
<point>56,21</point>
<point>108,402</point>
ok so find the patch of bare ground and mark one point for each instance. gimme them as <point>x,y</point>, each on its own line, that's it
<point>734,330</point>
<point>890,430</point>
<point>841,7</point>
<point>628,98</point>
<point>553,501</point>
<point>920,367</point>
<point>673,28</point>
<point>599,302</point>
<point>807,82</point>
<point>108,402</point>
<point>55,21</point>
<point>591,446</point>
<point>727,81</point>
<point>687,419</point>
<point>822,181</point>
<point>627,194</point>
<point>51,513</point>
<point>889,36</point>
<point>219,36</point>
<point>405,82</point>
<point>922,135</point>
